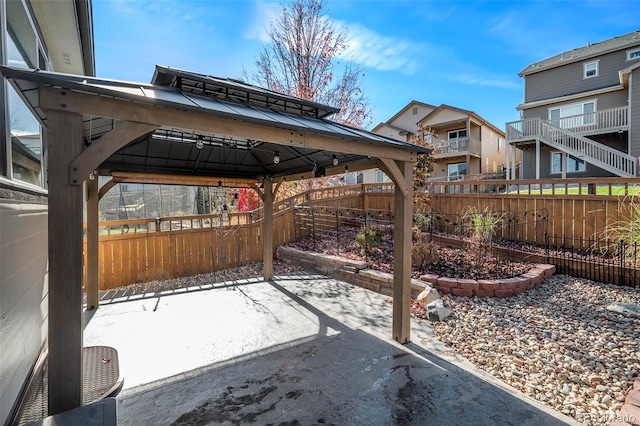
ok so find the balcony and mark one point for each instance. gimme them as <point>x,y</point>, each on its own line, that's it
<point>599,122</point>
<point>452,148</point>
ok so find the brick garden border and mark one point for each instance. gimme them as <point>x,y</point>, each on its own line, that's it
<point>357,272</point>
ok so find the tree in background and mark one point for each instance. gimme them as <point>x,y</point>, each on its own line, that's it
<point>248,200</point>
<point>301,60</point>
<point>421,172</point>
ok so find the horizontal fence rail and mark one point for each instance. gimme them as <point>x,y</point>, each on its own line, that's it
<point>573,211</point>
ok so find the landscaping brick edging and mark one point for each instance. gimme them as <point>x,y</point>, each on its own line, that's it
<point>630,412</point>
<point>505,287</point>
<point>357,272</point>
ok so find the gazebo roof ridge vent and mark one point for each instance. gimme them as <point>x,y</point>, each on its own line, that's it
<point>236,91</point>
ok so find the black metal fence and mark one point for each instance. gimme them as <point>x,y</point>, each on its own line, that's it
<point>513,236</point>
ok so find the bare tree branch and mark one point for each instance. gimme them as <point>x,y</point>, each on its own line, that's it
<point>301,61</point>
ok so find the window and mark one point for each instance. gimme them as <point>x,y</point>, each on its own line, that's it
<point>500,144</point>
<point>414,110</point>
<point>24,138</point>
<point>633,54</point>
<point>457,134</point>
<point>456,170</point>
<point>591,69</point>
<point>574,165</point>
<point>571,116</point>
<point>381,177</point>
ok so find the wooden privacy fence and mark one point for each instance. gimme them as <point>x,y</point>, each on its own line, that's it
<point>142,250</point>
<point>579,209</point>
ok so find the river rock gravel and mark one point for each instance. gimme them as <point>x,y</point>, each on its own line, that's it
<point>556,343</point>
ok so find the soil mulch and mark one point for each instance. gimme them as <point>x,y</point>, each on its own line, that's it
<point>450,262</point>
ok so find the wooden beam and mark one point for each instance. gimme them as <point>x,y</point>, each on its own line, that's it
<point>105,188</point>
<point>395,174</point>
<point>199,122</point>
<point>65,264</point>
<point>92,285</point>
<point>162,179</point>
<point>267,231</point>
<point>100,150</point>
<point>354,167</point>
<point>402,256</point>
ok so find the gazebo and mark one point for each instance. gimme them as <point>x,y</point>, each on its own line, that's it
<point>190,129</point>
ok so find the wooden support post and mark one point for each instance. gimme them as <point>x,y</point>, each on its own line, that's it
<point>92,254</point>
<point>65,264</point>
<point>267,231</point>
<point>537,158</point>
<point>402,255</point>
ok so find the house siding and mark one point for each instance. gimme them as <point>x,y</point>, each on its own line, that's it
<point>492,159</point>
<point>445,116</point>
<point>634,112</point>
<point>568,79</point>
<point>23,306</point>
<point>409,121</point>
<point>528,170</point>
<point>391,132</point>
<point>603,101</point>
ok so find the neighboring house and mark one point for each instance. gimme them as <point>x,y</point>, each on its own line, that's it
<point>465,145</point>
<point>581,115</point>
<point>49,35</point>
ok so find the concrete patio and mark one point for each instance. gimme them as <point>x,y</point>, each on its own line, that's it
<point>297,350</point>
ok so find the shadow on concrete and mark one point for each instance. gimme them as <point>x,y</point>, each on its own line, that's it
<point>347,373</point>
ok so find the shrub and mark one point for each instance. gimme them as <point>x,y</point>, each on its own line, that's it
<point>625,227</point>
<point>424,254</point>
<point>369,238</point>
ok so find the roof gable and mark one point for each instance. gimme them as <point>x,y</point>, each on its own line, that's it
<point>400,115</point>
<point>445,113</point>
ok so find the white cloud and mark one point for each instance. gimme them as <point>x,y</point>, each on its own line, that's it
<point>383,53</point>
<point>263,15</point>
<point>485,80</point>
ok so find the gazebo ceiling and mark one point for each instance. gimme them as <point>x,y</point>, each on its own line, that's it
<point>167,149</point>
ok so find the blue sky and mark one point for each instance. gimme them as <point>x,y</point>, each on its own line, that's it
<point>462,53</point>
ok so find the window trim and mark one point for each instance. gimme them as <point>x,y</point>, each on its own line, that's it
<point>456,164</point>
<point>457,131</point>
<point>594,101</point>
<point>6,147</point>
<point>632,51</point>
<point>596,63</point>
<point>563,155</point>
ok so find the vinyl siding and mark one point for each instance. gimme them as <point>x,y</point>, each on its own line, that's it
<point>634,108</point>
<point>391,133</point>
<point>492,159</point>
<point>409,121</point>
<point>568,79</point>
<point>529,167</point>
<point>603,101</point>
<point>446,115</point>
<point>23,284</point>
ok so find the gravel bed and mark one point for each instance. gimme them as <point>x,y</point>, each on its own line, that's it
<point>556,343</point>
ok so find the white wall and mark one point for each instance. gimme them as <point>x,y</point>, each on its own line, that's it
<point>23,295</point>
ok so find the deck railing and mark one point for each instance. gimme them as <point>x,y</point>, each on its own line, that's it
<point>606,120</point>
<point>456,146</point>
<point>595,153</point>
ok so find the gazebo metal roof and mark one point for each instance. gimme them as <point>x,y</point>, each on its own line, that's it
<point>171,150</point>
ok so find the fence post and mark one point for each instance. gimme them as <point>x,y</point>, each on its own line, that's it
<point>621,262</point>
<point>546,248</point>
<point>337,233</point>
